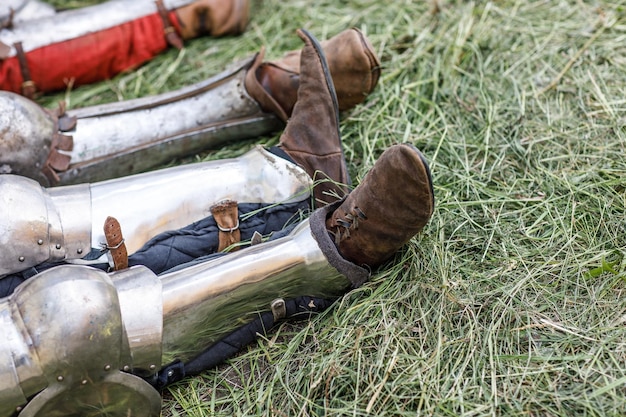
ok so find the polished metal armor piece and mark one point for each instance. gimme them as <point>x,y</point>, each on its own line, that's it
<point>172,198</point>
<point>72,335</point>
<point>70,24</point>
<point>65,223</point>
<point>26,132</point>
<point>71,332</point>
<point>203,303</point>
<point>38,225</point>
<point>117,139</point>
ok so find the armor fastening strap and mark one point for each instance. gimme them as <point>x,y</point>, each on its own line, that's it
<point>226,215</point>
<point>57,161</point>
<point>115,243</point>
<point>28,85</point>
<point>171,36</point>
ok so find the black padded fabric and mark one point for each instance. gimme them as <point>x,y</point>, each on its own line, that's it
<point>9,283</point>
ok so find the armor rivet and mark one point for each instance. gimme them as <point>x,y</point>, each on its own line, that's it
<point>58,246</point>
<point>84,382</point>
<point>40,242</point>
<point>107,367</point>
<point>18,409</point>
<point>126,368</point>
<point>60,378</point>
<point>21,259</point>
<point>79,251</point>
<point>152,367</point>
<point>170,373</point>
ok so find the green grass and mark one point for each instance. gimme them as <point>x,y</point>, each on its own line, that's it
<point>512,302</point>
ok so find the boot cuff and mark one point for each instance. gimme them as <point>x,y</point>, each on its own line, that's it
<point>356,274</point>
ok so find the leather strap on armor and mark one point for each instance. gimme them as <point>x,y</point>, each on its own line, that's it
<point>58,161</point>
<point>115,243</point>
<point>28,85</point>
<point>226,216</point>
<point>171,36</point>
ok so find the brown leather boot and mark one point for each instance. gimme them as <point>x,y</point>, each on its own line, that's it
<point>352,62</point>
<point>213,17</point>
<point>311,137</point>
<point>390,206</point>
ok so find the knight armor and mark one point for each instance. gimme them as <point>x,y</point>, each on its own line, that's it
<point>108,141</point>
<point>108,341</point>
<point>111,140</point>
<point>51,28</point>
<point>65,223</point>
<point>115,350</point>
<point>76,342</point>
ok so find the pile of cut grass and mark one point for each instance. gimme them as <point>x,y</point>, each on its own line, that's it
<point>513,299</point>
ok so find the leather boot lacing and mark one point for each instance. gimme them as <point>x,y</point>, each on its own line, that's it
<point>348,223</point>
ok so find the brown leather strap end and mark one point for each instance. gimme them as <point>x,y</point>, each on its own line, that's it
<point>115,243</point>
<point>171,36</point>
<point>226,215</point>
<point>57,161</point>
<point>29,89</point>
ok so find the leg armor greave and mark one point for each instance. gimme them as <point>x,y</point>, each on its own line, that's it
<point>108,141</point>
<point>76,337</point>
<point>66,223</point>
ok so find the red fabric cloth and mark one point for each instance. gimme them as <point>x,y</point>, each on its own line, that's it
<point>94,57</point>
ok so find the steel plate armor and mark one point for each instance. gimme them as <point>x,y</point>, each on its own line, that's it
<point>26,133</point>
<point>108,339</point>
<point>65,223</point>
<point>117,139</point>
